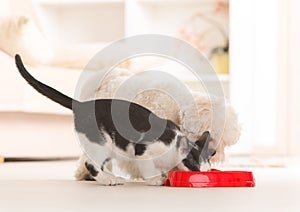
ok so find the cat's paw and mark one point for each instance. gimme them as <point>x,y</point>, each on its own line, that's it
<point>156,181</point>
<point>107,180</point>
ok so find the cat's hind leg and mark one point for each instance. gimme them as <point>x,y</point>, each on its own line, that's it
<point>102,177</point>
<point>81,172</point>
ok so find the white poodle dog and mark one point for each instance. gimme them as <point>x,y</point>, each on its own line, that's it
<point>162,104</point>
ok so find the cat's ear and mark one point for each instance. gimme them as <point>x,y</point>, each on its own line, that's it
<point>203,141</point>
<point>185,145</point>
<point>211,152</point>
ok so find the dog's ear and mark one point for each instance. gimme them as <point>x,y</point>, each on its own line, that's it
<point>203,141</point>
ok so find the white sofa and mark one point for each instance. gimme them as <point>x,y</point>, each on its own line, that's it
<point>30,124</point>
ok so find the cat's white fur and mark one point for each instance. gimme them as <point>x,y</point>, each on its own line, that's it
<point>151,166</point>
<point>164,106</point>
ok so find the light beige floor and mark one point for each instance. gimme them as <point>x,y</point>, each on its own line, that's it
<point>49,186</point>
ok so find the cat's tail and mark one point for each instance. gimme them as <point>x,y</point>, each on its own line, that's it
<point>45,90</point>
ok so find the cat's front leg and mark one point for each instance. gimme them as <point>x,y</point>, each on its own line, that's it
<point>103,178</point>
<point>150,173</point>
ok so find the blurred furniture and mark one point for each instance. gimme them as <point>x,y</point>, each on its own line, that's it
<point>30,124</point>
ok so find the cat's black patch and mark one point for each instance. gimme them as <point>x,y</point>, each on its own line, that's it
<point>92,170</point>
<point>104,162</point>
<point>178,141</point>
<point>199,153</point>
<point>120,142</point>
<point>169,133</point>
<point>85,122</point>
<point>93,117</point>
<point>191,163</point>
<point>139,149</point>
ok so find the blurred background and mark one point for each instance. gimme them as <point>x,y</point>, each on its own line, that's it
<point>253,46</point>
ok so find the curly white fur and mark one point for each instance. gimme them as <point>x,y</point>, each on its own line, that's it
<point>163,105</point>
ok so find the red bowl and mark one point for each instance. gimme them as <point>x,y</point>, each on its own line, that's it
<point>214,178</point>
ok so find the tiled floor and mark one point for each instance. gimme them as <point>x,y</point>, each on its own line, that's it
<point>49,186</point>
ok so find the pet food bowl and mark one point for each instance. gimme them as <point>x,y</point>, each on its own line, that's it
<point>213,178</point>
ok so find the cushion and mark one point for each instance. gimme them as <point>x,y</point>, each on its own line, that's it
<point>20,35</point>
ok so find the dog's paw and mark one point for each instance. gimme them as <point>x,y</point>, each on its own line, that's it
<point>156,181</point>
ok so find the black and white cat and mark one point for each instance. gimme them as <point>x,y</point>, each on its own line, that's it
<point>140,155</point>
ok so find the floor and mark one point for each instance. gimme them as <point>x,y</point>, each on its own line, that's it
<point>49,186</point>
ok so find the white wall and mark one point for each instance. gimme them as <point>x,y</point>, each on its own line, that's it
<point>265,73</point>
<point>241,69</point>
<point>293,72</point>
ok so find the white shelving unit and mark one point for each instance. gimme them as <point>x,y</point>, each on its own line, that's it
<point>77,21</point>
<point>163,17</point>
<point>101,21</point>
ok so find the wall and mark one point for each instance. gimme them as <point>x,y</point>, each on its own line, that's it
<point>293,71</point>
<point>4,7</point>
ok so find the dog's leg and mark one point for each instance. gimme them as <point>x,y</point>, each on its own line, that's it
<point>81,172</point>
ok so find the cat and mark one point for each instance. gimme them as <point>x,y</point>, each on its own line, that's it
<point>94,122</point>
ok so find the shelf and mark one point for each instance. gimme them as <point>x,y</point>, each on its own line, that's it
<point>81,23</point>
<point>192,78</point>
<point>178,2</point>
<point>183,73</point>
<point>88,21</point>
<point>75,2</point>
<point>158,2</point>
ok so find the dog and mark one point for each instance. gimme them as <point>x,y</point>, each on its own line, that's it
<point>165,106</point>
